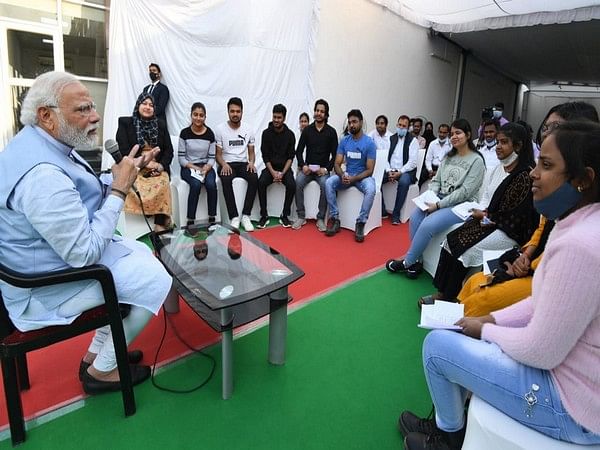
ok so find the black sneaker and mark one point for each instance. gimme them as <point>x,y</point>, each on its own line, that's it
<point>359,232</point>
<point>395,266</point>
<point>285,222</point>
<point>333,227</point>
<point>262,223</point>
<point>410,423</point>
<point>212,220</point>
<point>413,271</point>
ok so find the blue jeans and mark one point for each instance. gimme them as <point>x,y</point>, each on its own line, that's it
<point>366,186</point>
<point>402,185</point>
<point>210,184</point>
<point>423,226</point>
<point>455,364</point>
<point>301,181</point>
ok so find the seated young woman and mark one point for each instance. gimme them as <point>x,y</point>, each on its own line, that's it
<point>482,294</point>
<point>457,180</point>
<point>537,361</point>
<point>508,220</point>
<point>196,155</point>
<point>152,183</point>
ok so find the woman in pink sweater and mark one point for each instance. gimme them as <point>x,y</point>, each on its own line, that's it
<point>538,361</point>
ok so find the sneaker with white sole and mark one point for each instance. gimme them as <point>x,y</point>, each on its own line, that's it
<point>235,222</point>
<point>247,224</point>
<point>285,222</point>
<point>263,222</point>
<point>298,223</point>
<point>321,225</point>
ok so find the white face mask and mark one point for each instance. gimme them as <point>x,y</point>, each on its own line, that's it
<point>509,159</point>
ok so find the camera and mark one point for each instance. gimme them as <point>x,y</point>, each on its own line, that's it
<point>487,113</point>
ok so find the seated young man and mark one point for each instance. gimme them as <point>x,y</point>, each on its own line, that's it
<point>359,152</point>
<point>278,149</point>
<point>235,156</point>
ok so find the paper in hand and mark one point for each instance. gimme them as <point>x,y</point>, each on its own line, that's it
<point>426,197</point>
<point>441,315</point>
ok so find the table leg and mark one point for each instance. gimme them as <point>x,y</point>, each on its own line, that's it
<point>227,354</point>
<point>278,326</point>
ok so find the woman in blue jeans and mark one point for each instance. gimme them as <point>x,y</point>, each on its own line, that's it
<point>537,361</point>
<point>457,180</point>
<point>196,155</point>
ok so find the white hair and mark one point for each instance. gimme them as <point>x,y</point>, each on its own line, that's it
<point>45,91</point>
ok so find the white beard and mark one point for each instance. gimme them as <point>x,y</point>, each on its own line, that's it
<point>75,137</point>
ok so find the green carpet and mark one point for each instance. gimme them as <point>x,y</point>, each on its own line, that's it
<point>353,363</point>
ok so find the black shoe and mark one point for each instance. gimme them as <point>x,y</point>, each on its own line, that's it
<point>212,220</point>
<point>395,266</point>
<point>93,386</point>
<point>133,356</point>
<point>285,222</point>
<point>441,441</point>
<point>413,271</point>
<point>262,223</point>
<point>333,227</point>
<point>359,232</point>
<point>410,423</point>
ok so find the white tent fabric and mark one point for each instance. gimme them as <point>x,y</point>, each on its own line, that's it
<point>210,50</point>
<point>459,16</point>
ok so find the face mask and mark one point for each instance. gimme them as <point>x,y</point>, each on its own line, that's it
<point>490,142</point>
<point>401,131</point>
<point>509,159</point>
<point>442,141</point>
<point>497,113</point>
<point>153,76</point>
<point>559,202</point>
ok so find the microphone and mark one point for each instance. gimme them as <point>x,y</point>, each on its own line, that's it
<point>111,146</point>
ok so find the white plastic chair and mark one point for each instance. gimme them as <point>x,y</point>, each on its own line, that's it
<point>390,189</point>
<point>350,200</point>
<point>491,429</point>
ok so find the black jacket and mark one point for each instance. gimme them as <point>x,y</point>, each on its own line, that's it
<point>277,147</point>
<point>126,138</point>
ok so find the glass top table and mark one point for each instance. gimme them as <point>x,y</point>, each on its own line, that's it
<point>229,279</point>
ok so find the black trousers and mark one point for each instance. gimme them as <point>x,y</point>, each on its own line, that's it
<point>449,275</point>
<point>239,169</point>
<point>265,180</point>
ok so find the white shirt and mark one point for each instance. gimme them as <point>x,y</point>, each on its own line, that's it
<point>397,157</point>
<point>436,153</point>
<point>234,142</point>
<point>380,141</point>
<point>489,155</point>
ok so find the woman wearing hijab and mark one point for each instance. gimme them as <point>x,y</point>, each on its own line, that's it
<point>149,132</point>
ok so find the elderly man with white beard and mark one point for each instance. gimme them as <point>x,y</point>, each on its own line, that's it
<point>55,213</point>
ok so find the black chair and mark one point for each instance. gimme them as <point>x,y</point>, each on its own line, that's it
<point>15,344</point>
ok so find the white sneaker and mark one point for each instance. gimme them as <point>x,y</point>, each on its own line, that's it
<point>235,222</point>
<point>298,223</point>
<point>247,223</point>
<point>321,225</point>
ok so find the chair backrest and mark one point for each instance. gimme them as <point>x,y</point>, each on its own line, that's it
<point>420,161</point>
<point>380,164</point>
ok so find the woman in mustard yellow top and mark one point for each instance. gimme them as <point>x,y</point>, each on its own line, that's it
<point>481,294</point>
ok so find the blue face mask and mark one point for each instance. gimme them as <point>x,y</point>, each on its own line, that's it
<point>401,131</point>
<point>497,114</point>
<point>559,202</point>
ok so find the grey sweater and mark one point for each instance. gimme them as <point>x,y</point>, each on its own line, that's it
<point>458,179</point>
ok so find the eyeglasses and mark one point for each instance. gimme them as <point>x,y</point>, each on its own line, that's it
<point>83,110</point>
<point>550,126</point>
